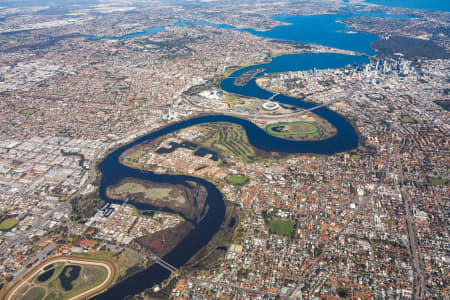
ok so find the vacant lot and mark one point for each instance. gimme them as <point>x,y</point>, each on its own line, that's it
<point>150,192</point>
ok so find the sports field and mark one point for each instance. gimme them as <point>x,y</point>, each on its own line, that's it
<point>9,223</point>
<point>281,227</point>
<point>237,179</point>
<point>64,278</point>
<point>28,111</point>
<point>294,130</point>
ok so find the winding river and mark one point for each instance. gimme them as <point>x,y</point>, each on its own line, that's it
<point>345,139</point>
<point>113,171</point>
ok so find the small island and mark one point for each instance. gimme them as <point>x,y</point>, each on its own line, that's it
<point>246,77</point>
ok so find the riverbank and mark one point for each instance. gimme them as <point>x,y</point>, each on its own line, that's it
<point>113,170</point>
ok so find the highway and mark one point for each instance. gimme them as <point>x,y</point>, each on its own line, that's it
<point>418,281</point>
<point>247,115</point>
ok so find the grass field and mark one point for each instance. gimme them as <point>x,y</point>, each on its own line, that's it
<point>437,181</point>
<point>294,129</point>
<point>97,254</point>
<point>237,179</point>
<point>34,293</point>
<point>230,70</point>
<point>8,223</point>
<point>407,119</point>
<point>63,134</point>
<point>155,193</point>
<point>227,138</point>
<point>28,111</point>
<point>61,94</point>
<point>89,277</point>
<point>281,227</point>
<point>326,83</point>
<point>232,100</point>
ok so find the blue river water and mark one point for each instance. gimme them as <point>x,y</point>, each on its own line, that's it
<point>113,171</point>
<point>439,5</point>
<point>345,139</point>
<point>326,30</point>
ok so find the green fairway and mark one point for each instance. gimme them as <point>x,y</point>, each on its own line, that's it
<point>8,223</point>
<point>281,227</point>
<point>28,111</point>
<point>237,179</point>
<point>294,129</point>
<point>227,138</point>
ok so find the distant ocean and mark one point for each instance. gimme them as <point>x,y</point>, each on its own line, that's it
<point>440,5</point>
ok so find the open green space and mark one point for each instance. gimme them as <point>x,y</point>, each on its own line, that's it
<point>68,280</point>
<point>9,223</point>
<point>96,254</point>
<point>34,293</point>
<point>61,94</point>
<point>437,181</point>
<point>150,192</point>
<point>230,70</point>
<point>407,119</point>
<point>281,227</point>
<point>237,179</point>
<point>232,100</point>
<point>326,83</point>
<point>63,134</point>
<point>299,129</point>
<point>227,138</point>
<point>28,111</point>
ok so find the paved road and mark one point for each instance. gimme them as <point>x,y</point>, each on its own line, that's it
<point>37,258</point>
<point>273,117</point>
